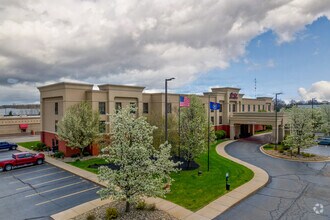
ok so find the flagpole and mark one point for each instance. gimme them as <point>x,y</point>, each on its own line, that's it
<point>208,138</point>
<point>179,127</point>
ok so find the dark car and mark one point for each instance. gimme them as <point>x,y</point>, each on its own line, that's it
<point>7,145</point>
<point>21,159</point>
<point>324,141</point>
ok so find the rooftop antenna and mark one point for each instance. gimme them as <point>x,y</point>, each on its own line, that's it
<point>255,87</point>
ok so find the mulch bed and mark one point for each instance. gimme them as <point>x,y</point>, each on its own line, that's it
<point>184,166</point>
<point>99,213</point>
<point>287,155</point>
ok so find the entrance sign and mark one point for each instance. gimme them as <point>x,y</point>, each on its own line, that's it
<point>233,95</point>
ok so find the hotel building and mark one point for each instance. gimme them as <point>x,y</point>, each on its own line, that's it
<point>238,116</point>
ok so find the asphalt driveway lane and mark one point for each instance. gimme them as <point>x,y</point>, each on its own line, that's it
<point>37,192</point>
<point>293,191</point>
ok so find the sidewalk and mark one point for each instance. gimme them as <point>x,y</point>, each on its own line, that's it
<point>210,211</point>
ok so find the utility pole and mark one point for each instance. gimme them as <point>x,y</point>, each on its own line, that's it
<point>276,129</point>
<point>166,80</point>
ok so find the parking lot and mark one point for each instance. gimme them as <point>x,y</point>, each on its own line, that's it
<point>37,192</point>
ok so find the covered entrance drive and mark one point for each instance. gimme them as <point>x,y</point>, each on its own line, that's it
<point>243,124</point>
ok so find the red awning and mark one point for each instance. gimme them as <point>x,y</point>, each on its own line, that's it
<point>23,126</point>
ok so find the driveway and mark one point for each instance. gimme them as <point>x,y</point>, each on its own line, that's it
<point>294,188</point>
<point>37,192</point>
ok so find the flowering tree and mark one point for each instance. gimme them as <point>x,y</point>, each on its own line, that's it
<point>325,112</point>
<point>301,129</point>
<point>79,127</point>
<point>142,170</point>
<point>158,134</point>
<point>193,123</point>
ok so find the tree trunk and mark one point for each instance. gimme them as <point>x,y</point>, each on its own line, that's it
<point>188,164</point>
<point>298,150</point>
<point>81,153</point>
<point>127,206</point>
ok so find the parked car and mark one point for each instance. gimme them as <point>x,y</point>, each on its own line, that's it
<point>21,159</point>
<point>324,141</point>
<point>8,145</point>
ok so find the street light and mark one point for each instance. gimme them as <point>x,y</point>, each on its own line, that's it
<point>276,94</point>
<point>166,80</point>
<point>313,112</point>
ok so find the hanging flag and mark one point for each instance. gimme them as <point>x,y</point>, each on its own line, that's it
<point>215,106</point>
<point>184,101</point>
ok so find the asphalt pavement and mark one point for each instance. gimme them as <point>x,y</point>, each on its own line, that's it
<point>295,190</point>
<point>37,192</point>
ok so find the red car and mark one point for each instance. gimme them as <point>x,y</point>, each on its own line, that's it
<point>21,159</point>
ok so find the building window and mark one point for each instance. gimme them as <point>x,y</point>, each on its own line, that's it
<point>269,108</point>
<point>169,107</point>
<point>254,108</point>
<point>212,120</point>
<point>56,125</point>
<point>56,108</point>
<point>133,106</point>
<point>258,108</point>
<point>102,108</point>
<point>249,109</point>
<point>220,120</point>
<point>263,107</point>
<point>102,126</point>
<point>220,110</point>
<point>118,106</point>
<point>234,107</point>
<point>243,108</point>
<point>145,108</point>
<point>229,107</point>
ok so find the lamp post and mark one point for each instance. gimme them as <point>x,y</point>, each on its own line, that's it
<point>166,80</point>
<point>313,112</point>
<point>276,129</point>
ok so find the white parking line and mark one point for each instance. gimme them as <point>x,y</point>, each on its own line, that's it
<point>25,168</point>
<point>40,170</point>
<point>38,184</point>
<point>72,184</point>
<point>33,178</point>
<point>62,197</point>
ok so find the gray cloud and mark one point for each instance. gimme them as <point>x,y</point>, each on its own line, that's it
<point>136,42</point>
<point>319,90</point>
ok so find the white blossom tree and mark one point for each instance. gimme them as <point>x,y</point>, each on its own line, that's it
<point>301,129</point>
<point>142,170</point>
<point>325,114</point>
<point>79,126</point>
<point>193,123</point>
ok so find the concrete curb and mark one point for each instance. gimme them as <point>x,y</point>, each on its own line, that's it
<point>301,161</point>
<point>225,202</point>
<point>208,212</point>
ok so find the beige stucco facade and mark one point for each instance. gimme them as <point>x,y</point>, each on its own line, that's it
<point>11,124</point>
<point>55,99</point>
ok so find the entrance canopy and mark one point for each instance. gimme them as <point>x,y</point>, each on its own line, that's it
<point>258,118</point>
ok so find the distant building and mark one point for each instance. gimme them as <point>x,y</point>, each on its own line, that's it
<point>21,109</point>
<point>19,125</point>
<point>55,99</point>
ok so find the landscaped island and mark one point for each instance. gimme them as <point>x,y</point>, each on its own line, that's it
<point>285,152</point>
<point>191,190</point>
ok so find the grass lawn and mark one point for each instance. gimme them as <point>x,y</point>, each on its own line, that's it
<point>194,192</point>
<point>84,164</point>
<point>271,146</point>
<point>262,132</point>
<point>29,145</point>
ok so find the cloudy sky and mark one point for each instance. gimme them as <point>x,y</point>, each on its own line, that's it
<point>283,44</point>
